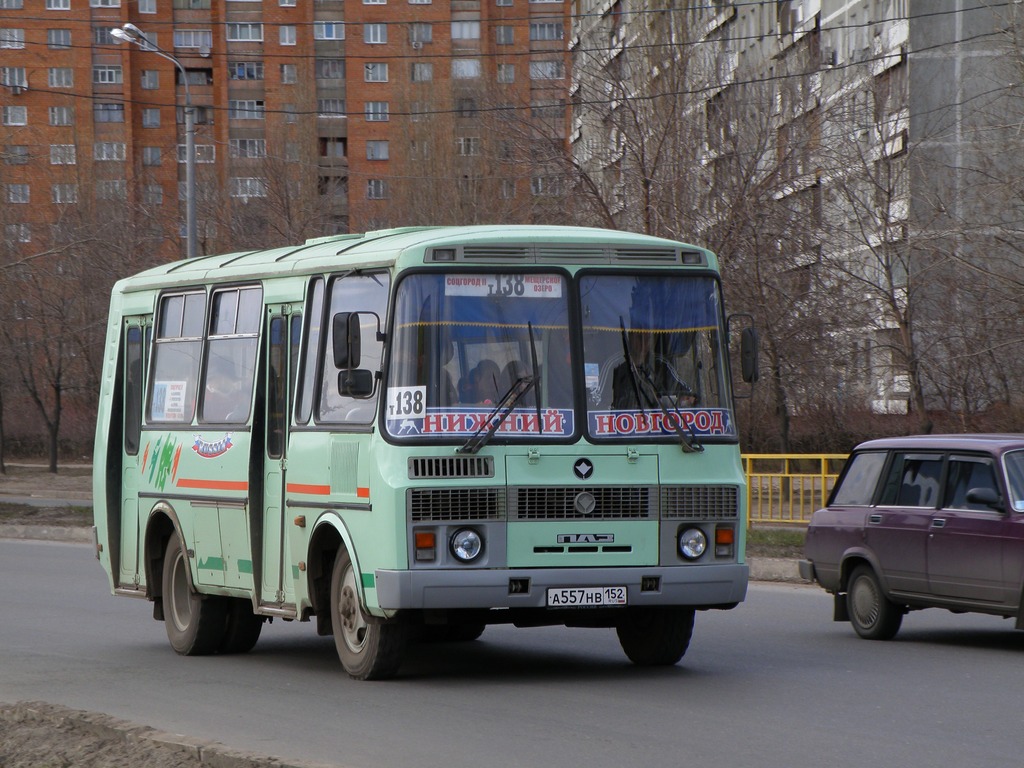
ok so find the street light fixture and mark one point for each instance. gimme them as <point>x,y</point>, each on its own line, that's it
<point>129,33</point>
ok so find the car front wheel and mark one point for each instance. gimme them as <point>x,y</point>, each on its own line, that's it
<point>872,614</point>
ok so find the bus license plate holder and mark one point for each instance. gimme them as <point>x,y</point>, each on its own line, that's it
<point>586,597</point>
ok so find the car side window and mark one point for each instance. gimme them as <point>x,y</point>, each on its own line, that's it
<point>968,474</point>
<point>913,481</point>
<point>857,487</point>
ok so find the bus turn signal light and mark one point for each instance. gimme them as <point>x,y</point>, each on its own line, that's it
<point>725,538</point>
<point>426,545</point>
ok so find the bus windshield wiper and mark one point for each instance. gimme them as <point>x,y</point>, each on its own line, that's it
<point>497,417</point>
<point>689,443</point>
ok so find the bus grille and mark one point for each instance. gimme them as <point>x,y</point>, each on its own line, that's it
<point>421,467</point>
<point>555,503</point>
<point>434,504</point>
<point>700,502</point>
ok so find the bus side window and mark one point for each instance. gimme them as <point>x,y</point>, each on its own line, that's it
<point>310,350</point>
<point>178,347</point>
<point>368,295</point>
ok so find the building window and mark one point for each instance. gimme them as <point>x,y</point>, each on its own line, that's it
<point>330,69</point>
<point>104,3</point>
<point>334,148</point>
<point>242,32</point>
<point>508,189</point>
<point>150,80</point>
<point>544,109</point>
<point>545,186</point>
<point>151,156</point>
<point>246,109</point>
<point>201,116</point>
<point>61,77</point>
<point>62,154</point>
<point>62,116</point>
<point>506,73</point>
<point>191,5</point>
<point>153,194</point>
<point>465,69</point>
<point>112,190</point>
<point>421,33</point>
<point>247,186</point>
<point>468,146</point>
<point>377,150</point>
<point>108,113</point>
<point>58,38</point>
<point>15,154</point>
<point>504,35</point>
<point>330,108</point>
<point>64,193</point>
<point>147,6</point>
<point>420,2</point>
<point>375,72</point>
<point>375,2</point>
<point>12,38</point>
<point>18,193</point>
<point>287,3</point>
<point>377,111</point>
<point>547,70</point>
<point>245,70</point>
<point>18,233</point>
<point>286,34</point>
<point>193,38</point>
<point>376,189</point>
<point>252,149</point>
<point>107,74</point>
<point>196,76</point>
<point>503,3</point>
<point>151,117</point>
<point>328,30</point>
<point>15,116</point>
<point>290,113</point>
<point>422,72</point>
<point>102,36</point>
<point>51,5</point>
<point>205,153</point>
<point>14,77</point>
<point>109,150</point>
<point>465,30</point>
<point>547,30</point>
<point>375,34</point>
<point>466,107</point>
<point>289,74</point>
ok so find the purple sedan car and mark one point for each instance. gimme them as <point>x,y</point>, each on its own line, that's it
<point>928,521</point>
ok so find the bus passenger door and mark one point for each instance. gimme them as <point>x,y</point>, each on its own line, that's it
<point>134,360</point>
<point>282,348</point>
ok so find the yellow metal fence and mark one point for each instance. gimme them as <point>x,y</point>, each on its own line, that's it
<point>786,488</point>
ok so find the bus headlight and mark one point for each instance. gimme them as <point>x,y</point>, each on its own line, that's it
<point>692,543</point>
<point>466,545</point>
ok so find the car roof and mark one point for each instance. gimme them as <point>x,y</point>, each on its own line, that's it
<point>988,442</point>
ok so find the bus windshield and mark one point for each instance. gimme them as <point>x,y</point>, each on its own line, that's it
<point>470,348</point>
<point>653,358</point>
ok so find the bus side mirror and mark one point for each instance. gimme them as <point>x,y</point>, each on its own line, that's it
<point>346,340</point>
<point>356,382</point>
<point>749,344</point>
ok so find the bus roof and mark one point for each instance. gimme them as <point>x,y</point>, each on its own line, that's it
<point>482,244</point>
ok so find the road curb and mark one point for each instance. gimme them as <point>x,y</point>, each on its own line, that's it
<point>104,727</point>
<point>73,534</point>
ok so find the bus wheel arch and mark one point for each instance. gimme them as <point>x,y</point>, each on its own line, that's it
<point>161,525</point>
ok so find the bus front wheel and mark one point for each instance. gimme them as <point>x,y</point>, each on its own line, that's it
<point>655,637</point>
<point>195,623</point>
<point>368,650</point>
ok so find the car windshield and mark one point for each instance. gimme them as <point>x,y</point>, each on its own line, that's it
<point>1014,462</point>
<point>470,348</point>
<point>653,358</point>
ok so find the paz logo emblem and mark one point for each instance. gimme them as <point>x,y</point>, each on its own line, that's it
<point>583,469</point>
<point>585,503</point>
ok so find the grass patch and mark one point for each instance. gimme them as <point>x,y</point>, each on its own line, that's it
<point>775,542</point>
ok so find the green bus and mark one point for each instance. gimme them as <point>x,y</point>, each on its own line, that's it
<point>415,433</point>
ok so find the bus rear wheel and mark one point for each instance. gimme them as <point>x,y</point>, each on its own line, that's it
<point>243,627</point>
<point>368,650</point>
<point>195,623</point>
<point>655,637</point>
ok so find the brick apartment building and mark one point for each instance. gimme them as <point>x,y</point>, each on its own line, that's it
<point>335,108</point>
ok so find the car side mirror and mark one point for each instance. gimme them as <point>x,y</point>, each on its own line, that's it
<point>987,496</point>
<point>749,343</point>
<point>356,382</point>
<point>346,339</point>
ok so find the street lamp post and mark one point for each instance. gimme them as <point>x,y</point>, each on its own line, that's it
<point>129,33</point>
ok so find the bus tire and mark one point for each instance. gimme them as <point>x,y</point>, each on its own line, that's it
<point>655,637</point>
<point>195,623</point>
<point>243,627</point>
<point>368,651</point>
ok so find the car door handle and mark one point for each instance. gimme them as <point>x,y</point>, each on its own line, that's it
<point>874,518</point>
<point>939,522</point>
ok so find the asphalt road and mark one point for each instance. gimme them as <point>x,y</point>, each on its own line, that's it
<point>774,683</point>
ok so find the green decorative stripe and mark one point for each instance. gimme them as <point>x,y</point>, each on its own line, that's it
<point>212,564</point>
<point>368,581</point>
<point>245,566</point>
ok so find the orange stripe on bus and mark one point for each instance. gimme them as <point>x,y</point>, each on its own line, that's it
<point>363,493</point>
<point>314,490</point>
<point>213,485</point>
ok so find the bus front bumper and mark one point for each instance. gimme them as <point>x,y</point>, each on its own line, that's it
<point>693,585</point>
